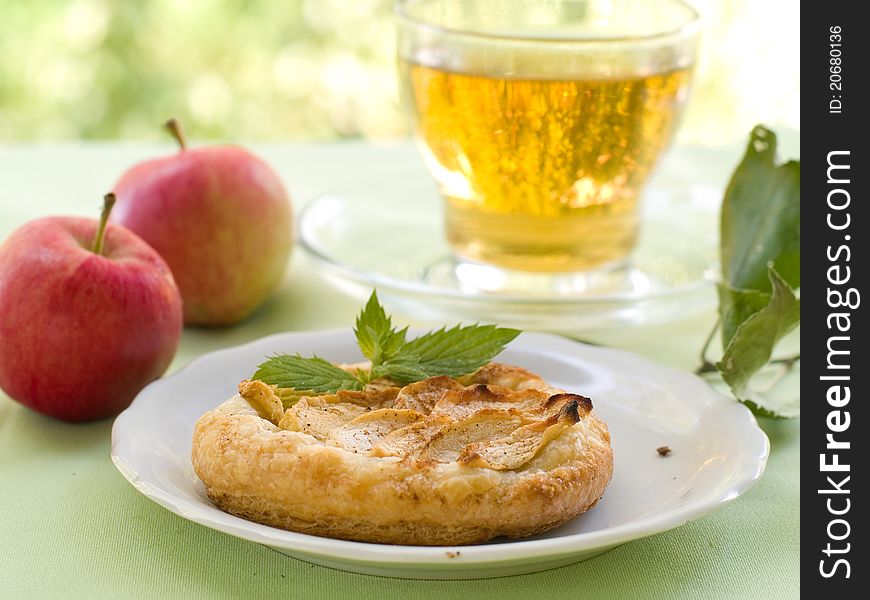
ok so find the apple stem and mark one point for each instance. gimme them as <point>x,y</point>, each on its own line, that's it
<point>108,203</point>
<point>177,132</point>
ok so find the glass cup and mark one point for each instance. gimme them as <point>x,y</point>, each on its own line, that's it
<point>541,120</point>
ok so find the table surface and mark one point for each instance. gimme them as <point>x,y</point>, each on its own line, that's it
<point>71,526</point>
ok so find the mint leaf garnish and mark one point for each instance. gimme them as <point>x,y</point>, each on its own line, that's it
<point>454,352</point>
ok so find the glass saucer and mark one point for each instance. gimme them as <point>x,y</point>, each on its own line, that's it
<point>386,232</point>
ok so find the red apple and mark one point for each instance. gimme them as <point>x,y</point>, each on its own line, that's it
<point>221,219</point>
<point>89,315</point>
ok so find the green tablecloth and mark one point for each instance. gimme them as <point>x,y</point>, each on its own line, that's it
<point>71,526</point>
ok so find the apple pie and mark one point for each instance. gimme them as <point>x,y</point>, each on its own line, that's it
<point>441,461</point>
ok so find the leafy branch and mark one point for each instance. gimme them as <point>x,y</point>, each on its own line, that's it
<point>760,250</point>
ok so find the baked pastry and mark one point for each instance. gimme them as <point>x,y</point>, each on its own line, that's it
<point>442,461</point>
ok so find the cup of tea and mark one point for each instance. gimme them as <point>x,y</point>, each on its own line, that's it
<point>541,120</point>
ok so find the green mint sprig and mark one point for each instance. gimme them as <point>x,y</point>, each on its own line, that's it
<point>760,250</point>
<point>455,351</point>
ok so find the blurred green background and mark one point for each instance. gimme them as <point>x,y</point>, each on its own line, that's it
<point>304,69</point>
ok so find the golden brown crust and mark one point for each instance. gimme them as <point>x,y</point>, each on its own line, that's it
<point>410,467</point>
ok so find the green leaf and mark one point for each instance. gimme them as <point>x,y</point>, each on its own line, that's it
<point>761,217</point>
<point>453,352</point>
<point>785,412</point>
<point>375,335</point>
<point>753,341</point>
<point>735,306</point>
<point>316,374</point>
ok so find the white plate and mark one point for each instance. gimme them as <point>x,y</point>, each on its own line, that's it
<point>718,452</point>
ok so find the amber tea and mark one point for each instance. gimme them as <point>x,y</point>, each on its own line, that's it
<point>541,120</point>
<point>542,174</point>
